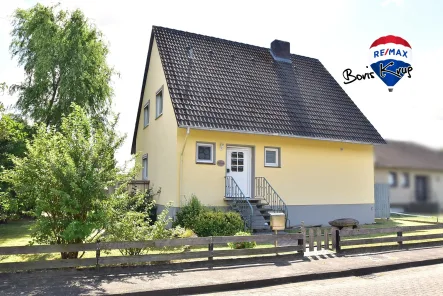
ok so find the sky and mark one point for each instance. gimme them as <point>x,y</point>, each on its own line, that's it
<point>338,33</point>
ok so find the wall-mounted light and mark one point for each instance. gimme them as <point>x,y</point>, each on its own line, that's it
<point>221,146</point>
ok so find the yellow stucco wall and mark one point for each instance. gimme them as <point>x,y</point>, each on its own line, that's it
<point>159,138</point>
<point>402,195</point>
<point>313,172</point>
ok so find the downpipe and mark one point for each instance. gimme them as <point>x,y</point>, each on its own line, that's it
<point>188,130</point>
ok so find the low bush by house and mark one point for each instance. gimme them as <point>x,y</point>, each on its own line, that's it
<point>187,214</point>
<point>208,222</point>
<point>242,245</point>
<point>218,223</point>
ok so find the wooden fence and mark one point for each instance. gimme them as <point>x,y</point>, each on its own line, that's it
<point>399,238</point>
<point>319,238</point>
<point>290,243</point>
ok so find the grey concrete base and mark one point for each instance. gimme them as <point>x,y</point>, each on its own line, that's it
<point>172,212</point>
<point>313,214</point>
<point>322,214</point>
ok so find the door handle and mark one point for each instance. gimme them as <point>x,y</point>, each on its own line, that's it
<point>228,170</point>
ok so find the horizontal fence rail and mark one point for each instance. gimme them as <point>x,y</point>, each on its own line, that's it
<point>399,238</point>
<point>292,243</point>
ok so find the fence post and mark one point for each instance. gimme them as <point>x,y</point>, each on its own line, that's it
<point>400,234</point>
<point>97,255</point>
<point>319,238</point>
<point>311,239</point>
<point>326,239</point>
<point>333,238</point>
<point>302,242</point>
<point>210,249</point>
<point>337,241</point>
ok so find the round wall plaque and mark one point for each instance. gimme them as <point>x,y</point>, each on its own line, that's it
<point>220,162</point>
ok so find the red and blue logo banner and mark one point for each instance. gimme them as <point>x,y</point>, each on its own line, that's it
<point>390,58</point>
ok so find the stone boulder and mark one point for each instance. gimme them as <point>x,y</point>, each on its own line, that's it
<point>344,222</point>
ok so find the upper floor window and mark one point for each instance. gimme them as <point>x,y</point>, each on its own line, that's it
<point>146,115</point>
<point>145,167</point>
<point>272,157</point>
<point>392,179</point>
<point>159,103</point>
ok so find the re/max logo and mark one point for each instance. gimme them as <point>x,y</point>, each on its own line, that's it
<point>392,51</point>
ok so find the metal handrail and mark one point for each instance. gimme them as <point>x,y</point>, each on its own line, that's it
<point>233,191</point>
<point>263,189</point>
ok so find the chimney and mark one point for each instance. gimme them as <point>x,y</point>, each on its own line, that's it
<point>280,51</point>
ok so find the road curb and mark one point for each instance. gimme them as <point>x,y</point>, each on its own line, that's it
<point>283,280</point>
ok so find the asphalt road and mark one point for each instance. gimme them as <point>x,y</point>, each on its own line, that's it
<point>421,281</point>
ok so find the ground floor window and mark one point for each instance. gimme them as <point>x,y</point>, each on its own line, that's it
<point>272,157</point>
<point>205,153</point>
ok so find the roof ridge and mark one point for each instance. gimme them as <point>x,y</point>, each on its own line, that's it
<point>412,143</point>
<point>228,41</point>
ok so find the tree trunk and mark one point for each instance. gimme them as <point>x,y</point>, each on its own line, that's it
<point>69,255</point>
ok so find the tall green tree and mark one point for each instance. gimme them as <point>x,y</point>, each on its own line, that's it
<point>64,59</point>
<point>63,177</point>
<point>13,133</point>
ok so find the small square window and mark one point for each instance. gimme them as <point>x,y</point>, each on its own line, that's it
<point>405,180</point>
<point>159,104</point>
<point>272,157</point>
<point>205,153</point>
<point>392,179</point>
<point>145,167</point>
<point>146,115</point>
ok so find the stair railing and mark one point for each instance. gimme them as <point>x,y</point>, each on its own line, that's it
<point>263,189</point>
<point>239,202</point>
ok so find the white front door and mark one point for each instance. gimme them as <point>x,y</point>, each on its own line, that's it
<point>238,166</point>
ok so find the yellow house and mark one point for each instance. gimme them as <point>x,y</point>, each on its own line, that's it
<point>414,173</point>
<point>254,129</point>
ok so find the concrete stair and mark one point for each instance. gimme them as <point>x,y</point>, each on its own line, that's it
<point>261,209</point>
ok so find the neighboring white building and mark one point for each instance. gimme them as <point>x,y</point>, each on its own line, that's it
<point>414,173</point>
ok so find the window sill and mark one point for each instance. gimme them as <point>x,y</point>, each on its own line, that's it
<point>158,116</point>
<point>272,166</point>
<point>146,126</point>
<point>202,162</point>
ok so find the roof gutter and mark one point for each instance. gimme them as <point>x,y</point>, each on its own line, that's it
<point>276,134</point>
<point>180,181</point>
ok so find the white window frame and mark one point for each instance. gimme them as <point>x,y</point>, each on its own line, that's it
<point>145,167</point>
<point>146,114</point>
<point>206,161</point>
<point>158,111</point>
<point>277,157</point>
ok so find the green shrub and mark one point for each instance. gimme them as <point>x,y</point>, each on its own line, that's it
<point>147,204</point>
<point>180,232</point>
<point>242,245</point>
<point>187,215</point>
<point>217,223</point>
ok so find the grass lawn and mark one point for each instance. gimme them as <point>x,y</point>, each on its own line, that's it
<point>18,233</point>
<point>421,218</point>
<point>15,233</point>
<point>396,221</point>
